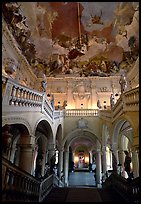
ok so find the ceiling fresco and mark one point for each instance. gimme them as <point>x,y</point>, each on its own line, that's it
<point>76,38</point>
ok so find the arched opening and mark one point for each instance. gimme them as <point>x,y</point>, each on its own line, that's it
<point>123,138</point>
<point>41,160</point>
<point>13,136</point>
<point>83,147</point>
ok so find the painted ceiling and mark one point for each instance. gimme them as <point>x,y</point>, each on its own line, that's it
<point>76,38</point>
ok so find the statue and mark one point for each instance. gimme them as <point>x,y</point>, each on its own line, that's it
<point>98,104</point>
<point>44,83</point>
<point>123,83</point>
<point>112,100</point>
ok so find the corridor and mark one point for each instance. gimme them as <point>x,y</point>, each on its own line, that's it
<point>81,178</point>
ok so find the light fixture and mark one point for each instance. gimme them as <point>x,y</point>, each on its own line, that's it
<point>104,104</point>
<point>58,104</point>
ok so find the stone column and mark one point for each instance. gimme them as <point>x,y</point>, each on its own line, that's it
<point>26,157</point>
<point>51,151</point>
<point>27,144</point>
<point>60,163</point>
<point>115,156</point>
<point>90,157</point>
<point>66,166</point>
<point>98,168</point>
<point>135,161</point>
<point>104,162</point>
<point>13,150</point>
<point>6,141</point>
<point>121,161</point>
<point>43,162</point>
<point>115,150</point>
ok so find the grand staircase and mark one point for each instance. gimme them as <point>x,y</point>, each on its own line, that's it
<point>68,194</point>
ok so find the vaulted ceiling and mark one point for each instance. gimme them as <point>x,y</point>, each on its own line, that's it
<point>76,38</point>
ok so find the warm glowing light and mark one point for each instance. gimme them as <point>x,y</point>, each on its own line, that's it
<point>76,159</point>
<point>86,159</point>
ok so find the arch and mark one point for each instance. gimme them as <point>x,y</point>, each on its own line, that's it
<point>38,122</point>
<point>17,120</point>
<point>18,134</point>
<point>59,136</point>
<point>119,124</point>
<point>77,132</point>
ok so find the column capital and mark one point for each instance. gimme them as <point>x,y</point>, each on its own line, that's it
<point>104,149</point>
<point>98,151</point>
<point>135,149</point>
<point>51,147</point>
<point>61,149</point>
<point>27,139</point>
<point>114,146</point>
<point>28,147</point>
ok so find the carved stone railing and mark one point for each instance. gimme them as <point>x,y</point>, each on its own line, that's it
<point>16,97</point>
<point>18,185</point>
<point>128,101</point>
<point>81,112</point>
<point>47,109</point>
<point>45,187</point>
<point>128,189</point>
<point>105,114</point>
<point>57,181</point>
<point>131,99</point>
<point>58,114</point>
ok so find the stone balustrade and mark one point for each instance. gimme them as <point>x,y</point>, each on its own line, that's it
<point>132,99</point>
<point>58,114</point>
<point>81,112</point>
<point>128,101</point>
<point>17,97</point>
<point>25,99</point>
<point>18,184</point>
<point>105,114</point>
<point>47,108</point>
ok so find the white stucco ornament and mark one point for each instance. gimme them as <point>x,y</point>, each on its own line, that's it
<point>82,123</point>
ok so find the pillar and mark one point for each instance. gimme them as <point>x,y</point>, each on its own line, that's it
<point>98,168</point>
<point>104,162</point>
<point>90,157</point>
<point>121,161</point>
<point>115,151</point>
<point>26,157</point>
<point>27,145</point>
<point>13,150</point>
<point>66,166</point>
<point>135,161</point>
<point>51,151</point>
<point>6,141</point>
<point>60,163</point>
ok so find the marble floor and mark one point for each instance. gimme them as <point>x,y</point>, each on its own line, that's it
<point>81,178</point>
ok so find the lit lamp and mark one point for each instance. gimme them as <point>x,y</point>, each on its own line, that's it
<point>104,104</point>
<point>48,96</point>
<point>58,104</point>
<point>116,95</point>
